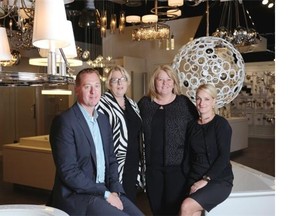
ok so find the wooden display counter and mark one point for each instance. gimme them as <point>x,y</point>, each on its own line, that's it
<point>29,163</point>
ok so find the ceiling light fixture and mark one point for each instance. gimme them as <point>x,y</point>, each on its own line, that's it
<point>269,3</point>
<point>167,12</point>
<point>69,53</point>
<point>49,32</point>
<point>175,3</point>
<point>239,33</point>
<point>18,18</point>
<point>151,31</point>
<point>151,25</point>
<point>133,19</point>
<point>121,22</point>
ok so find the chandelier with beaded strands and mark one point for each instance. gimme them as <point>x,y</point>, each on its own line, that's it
<point>236,26</point>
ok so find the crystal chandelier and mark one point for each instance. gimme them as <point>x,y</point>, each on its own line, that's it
<point>151,25</point>
<point>102,64</point>
<point>50,31</point>
<point>92,18</point>
<point>157,31</point>
<point>18,17</point>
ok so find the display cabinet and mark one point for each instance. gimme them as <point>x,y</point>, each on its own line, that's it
<point>256,100</point>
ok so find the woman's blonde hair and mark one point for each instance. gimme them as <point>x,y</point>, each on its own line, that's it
<point>122,70</point>
<point>152,92</point>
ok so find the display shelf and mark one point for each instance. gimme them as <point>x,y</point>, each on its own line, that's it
<point>256,101</point>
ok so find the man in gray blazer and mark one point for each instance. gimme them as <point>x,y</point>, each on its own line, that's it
<point>86,181</point>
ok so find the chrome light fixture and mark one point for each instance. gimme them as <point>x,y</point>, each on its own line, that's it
<point>151,25</point>
<point>63,60</point>
<point>240,34</point>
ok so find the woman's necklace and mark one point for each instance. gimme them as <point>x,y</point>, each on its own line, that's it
<point>205,119</point>
<point>164,101</point>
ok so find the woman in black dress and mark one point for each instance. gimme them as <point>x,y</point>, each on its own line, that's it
<point>210,176</point>
<point>165,114</point>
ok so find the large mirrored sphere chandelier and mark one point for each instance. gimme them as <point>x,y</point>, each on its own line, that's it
<point>210,60</point>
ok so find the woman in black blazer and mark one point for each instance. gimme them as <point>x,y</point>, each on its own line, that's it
<point>207,156</point>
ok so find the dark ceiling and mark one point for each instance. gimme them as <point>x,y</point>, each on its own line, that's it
<point>262,17</point>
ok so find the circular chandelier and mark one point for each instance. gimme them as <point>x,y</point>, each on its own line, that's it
<point>210,60</point>
<point>151,31</point>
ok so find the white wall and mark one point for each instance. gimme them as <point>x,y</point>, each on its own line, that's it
<point>119,45</point>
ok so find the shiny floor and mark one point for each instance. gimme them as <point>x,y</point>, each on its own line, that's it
<point>259,155</point>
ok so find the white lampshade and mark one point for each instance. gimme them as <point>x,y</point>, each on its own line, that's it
<point>68,1</point>
<point>174,12</point>
<point>70,51</point>
<point>133,19</point>
<point>5,54</point>
<point>175,3</point>
<point>49,21</point>
<point>44,62</point>
<point>150,18</point>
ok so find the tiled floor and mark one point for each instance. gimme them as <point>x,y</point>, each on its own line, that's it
<point>259,155</point>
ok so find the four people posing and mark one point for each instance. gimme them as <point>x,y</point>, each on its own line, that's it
<point>97,148</point>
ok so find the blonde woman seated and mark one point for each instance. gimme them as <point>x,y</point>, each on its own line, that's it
<point>207,156</point>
